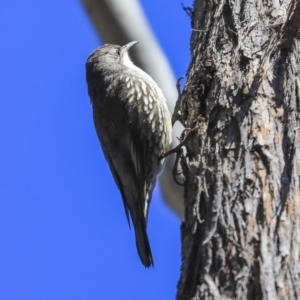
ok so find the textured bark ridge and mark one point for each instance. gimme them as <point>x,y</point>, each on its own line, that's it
<point>241,237</point>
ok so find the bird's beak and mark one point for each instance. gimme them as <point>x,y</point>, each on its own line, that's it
<point>129,45</point>
<point>124,56</point>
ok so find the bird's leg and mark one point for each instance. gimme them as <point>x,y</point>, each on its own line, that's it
<point>178,85</point>
<point>182,143</point>
<point>174,171</point>
<point>178,151</point>
<point>178,148</point>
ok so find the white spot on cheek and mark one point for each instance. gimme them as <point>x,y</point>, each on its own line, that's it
<point>126,60</point>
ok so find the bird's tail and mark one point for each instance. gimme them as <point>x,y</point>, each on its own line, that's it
<point>142,241</point>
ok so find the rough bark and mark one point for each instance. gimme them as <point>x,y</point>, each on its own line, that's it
<point>241,237</point>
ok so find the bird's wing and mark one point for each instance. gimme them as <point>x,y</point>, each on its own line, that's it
<point>148,115</point>
<point>122,159</point>
<point>124,152</point>
<point>125,155</point>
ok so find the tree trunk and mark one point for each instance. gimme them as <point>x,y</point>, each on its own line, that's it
<point>241,237</point>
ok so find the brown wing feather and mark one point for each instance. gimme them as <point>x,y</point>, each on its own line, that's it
<point>126,161</point>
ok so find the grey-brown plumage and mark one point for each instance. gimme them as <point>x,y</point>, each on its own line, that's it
<point>134,128</point>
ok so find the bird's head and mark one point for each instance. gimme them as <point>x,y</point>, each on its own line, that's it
<point>111,54</point>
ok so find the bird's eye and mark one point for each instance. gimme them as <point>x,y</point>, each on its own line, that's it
<point>118,51</point>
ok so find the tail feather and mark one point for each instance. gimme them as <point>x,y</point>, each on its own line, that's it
<point>142,242</point>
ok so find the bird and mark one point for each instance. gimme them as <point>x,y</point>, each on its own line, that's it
<point>133,125</point>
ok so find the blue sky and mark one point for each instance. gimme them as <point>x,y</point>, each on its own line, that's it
<point>63,231</point>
